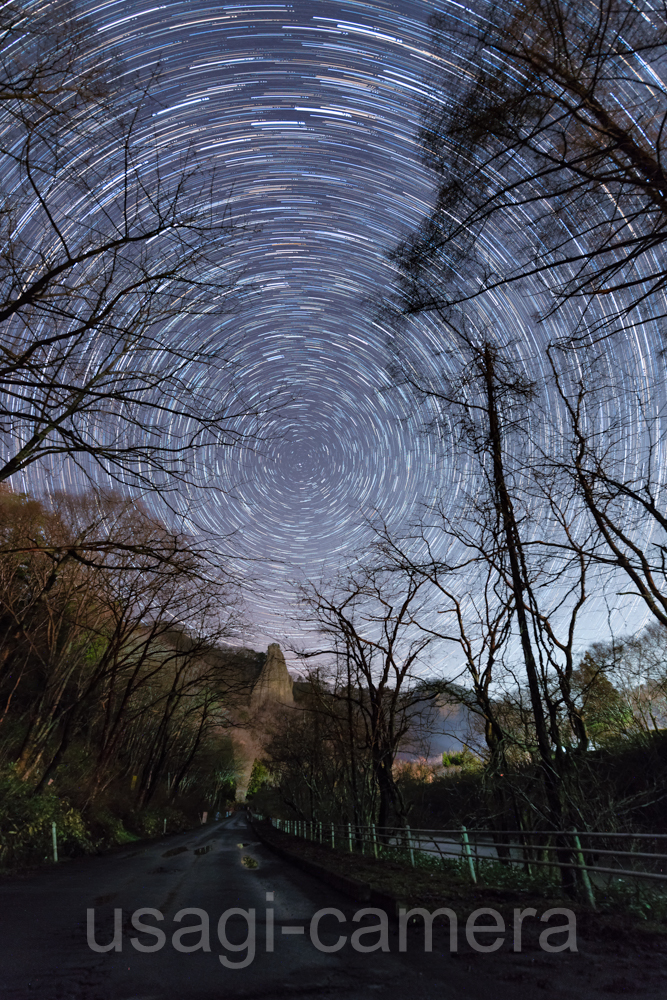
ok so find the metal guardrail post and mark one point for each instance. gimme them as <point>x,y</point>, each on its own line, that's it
<point>410,848</point>
<point>54,838</point>
<point>588,888</point>
<point>466,850</point>
<point>526,845</point>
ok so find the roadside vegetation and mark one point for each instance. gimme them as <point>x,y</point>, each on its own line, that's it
<point>113,694</point>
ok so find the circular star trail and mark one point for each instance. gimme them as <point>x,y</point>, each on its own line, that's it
<point>309,113</point>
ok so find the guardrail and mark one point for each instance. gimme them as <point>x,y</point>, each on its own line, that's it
<point>633,855</point>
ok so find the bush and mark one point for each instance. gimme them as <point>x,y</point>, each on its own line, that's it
<point>26,820</point>
<point>465,759</point>
<point>258,777</point>
<point>627,895</point>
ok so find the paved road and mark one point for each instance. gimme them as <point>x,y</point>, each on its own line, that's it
<point>44,951</point>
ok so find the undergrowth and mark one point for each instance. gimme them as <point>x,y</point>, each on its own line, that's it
<point>27,817</point>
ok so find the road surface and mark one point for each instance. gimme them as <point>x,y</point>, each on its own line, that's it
<point>45,954</point>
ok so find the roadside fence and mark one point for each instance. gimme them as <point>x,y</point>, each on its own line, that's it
<point>592,853</point>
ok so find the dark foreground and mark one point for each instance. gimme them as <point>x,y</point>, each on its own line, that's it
<point>44,951</point>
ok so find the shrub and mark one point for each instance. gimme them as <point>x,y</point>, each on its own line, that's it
<point>26,819</point>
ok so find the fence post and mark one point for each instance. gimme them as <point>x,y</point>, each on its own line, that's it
<point>585,878</point>
<point>375,840</point>
<point>320,832</point>
<point>54,838</point>
<point>332,837</point>
<point>349,836</point>
<point>466,851</point>
<point>412,853</point>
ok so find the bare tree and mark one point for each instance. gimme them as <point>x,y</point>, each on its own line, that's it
<point>112,657</point>
<point>106,244</point>
<point>613,462</point>
<point>553,134</point>
<point>367,621</point>
<point>513,582</point>
<point>318,763</point>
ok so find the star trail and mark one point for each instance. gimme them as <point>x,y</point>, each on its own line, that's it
<point>309,113</point>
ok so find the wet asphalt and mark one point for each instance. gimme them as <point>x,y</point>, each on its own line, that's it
<point>45,952</point>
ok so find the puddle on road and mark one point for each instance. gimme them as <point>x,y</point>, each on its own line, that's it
<point>173,851</point>
<point>204,850</point>
<point>249,862</point>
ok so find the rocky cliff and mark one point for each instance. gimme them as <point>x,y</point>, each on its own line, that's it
<point>258,685</point>
<point>273,684</point>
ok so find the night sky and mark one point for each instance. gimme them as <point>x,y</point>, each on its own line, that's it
<point>309,112</point>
